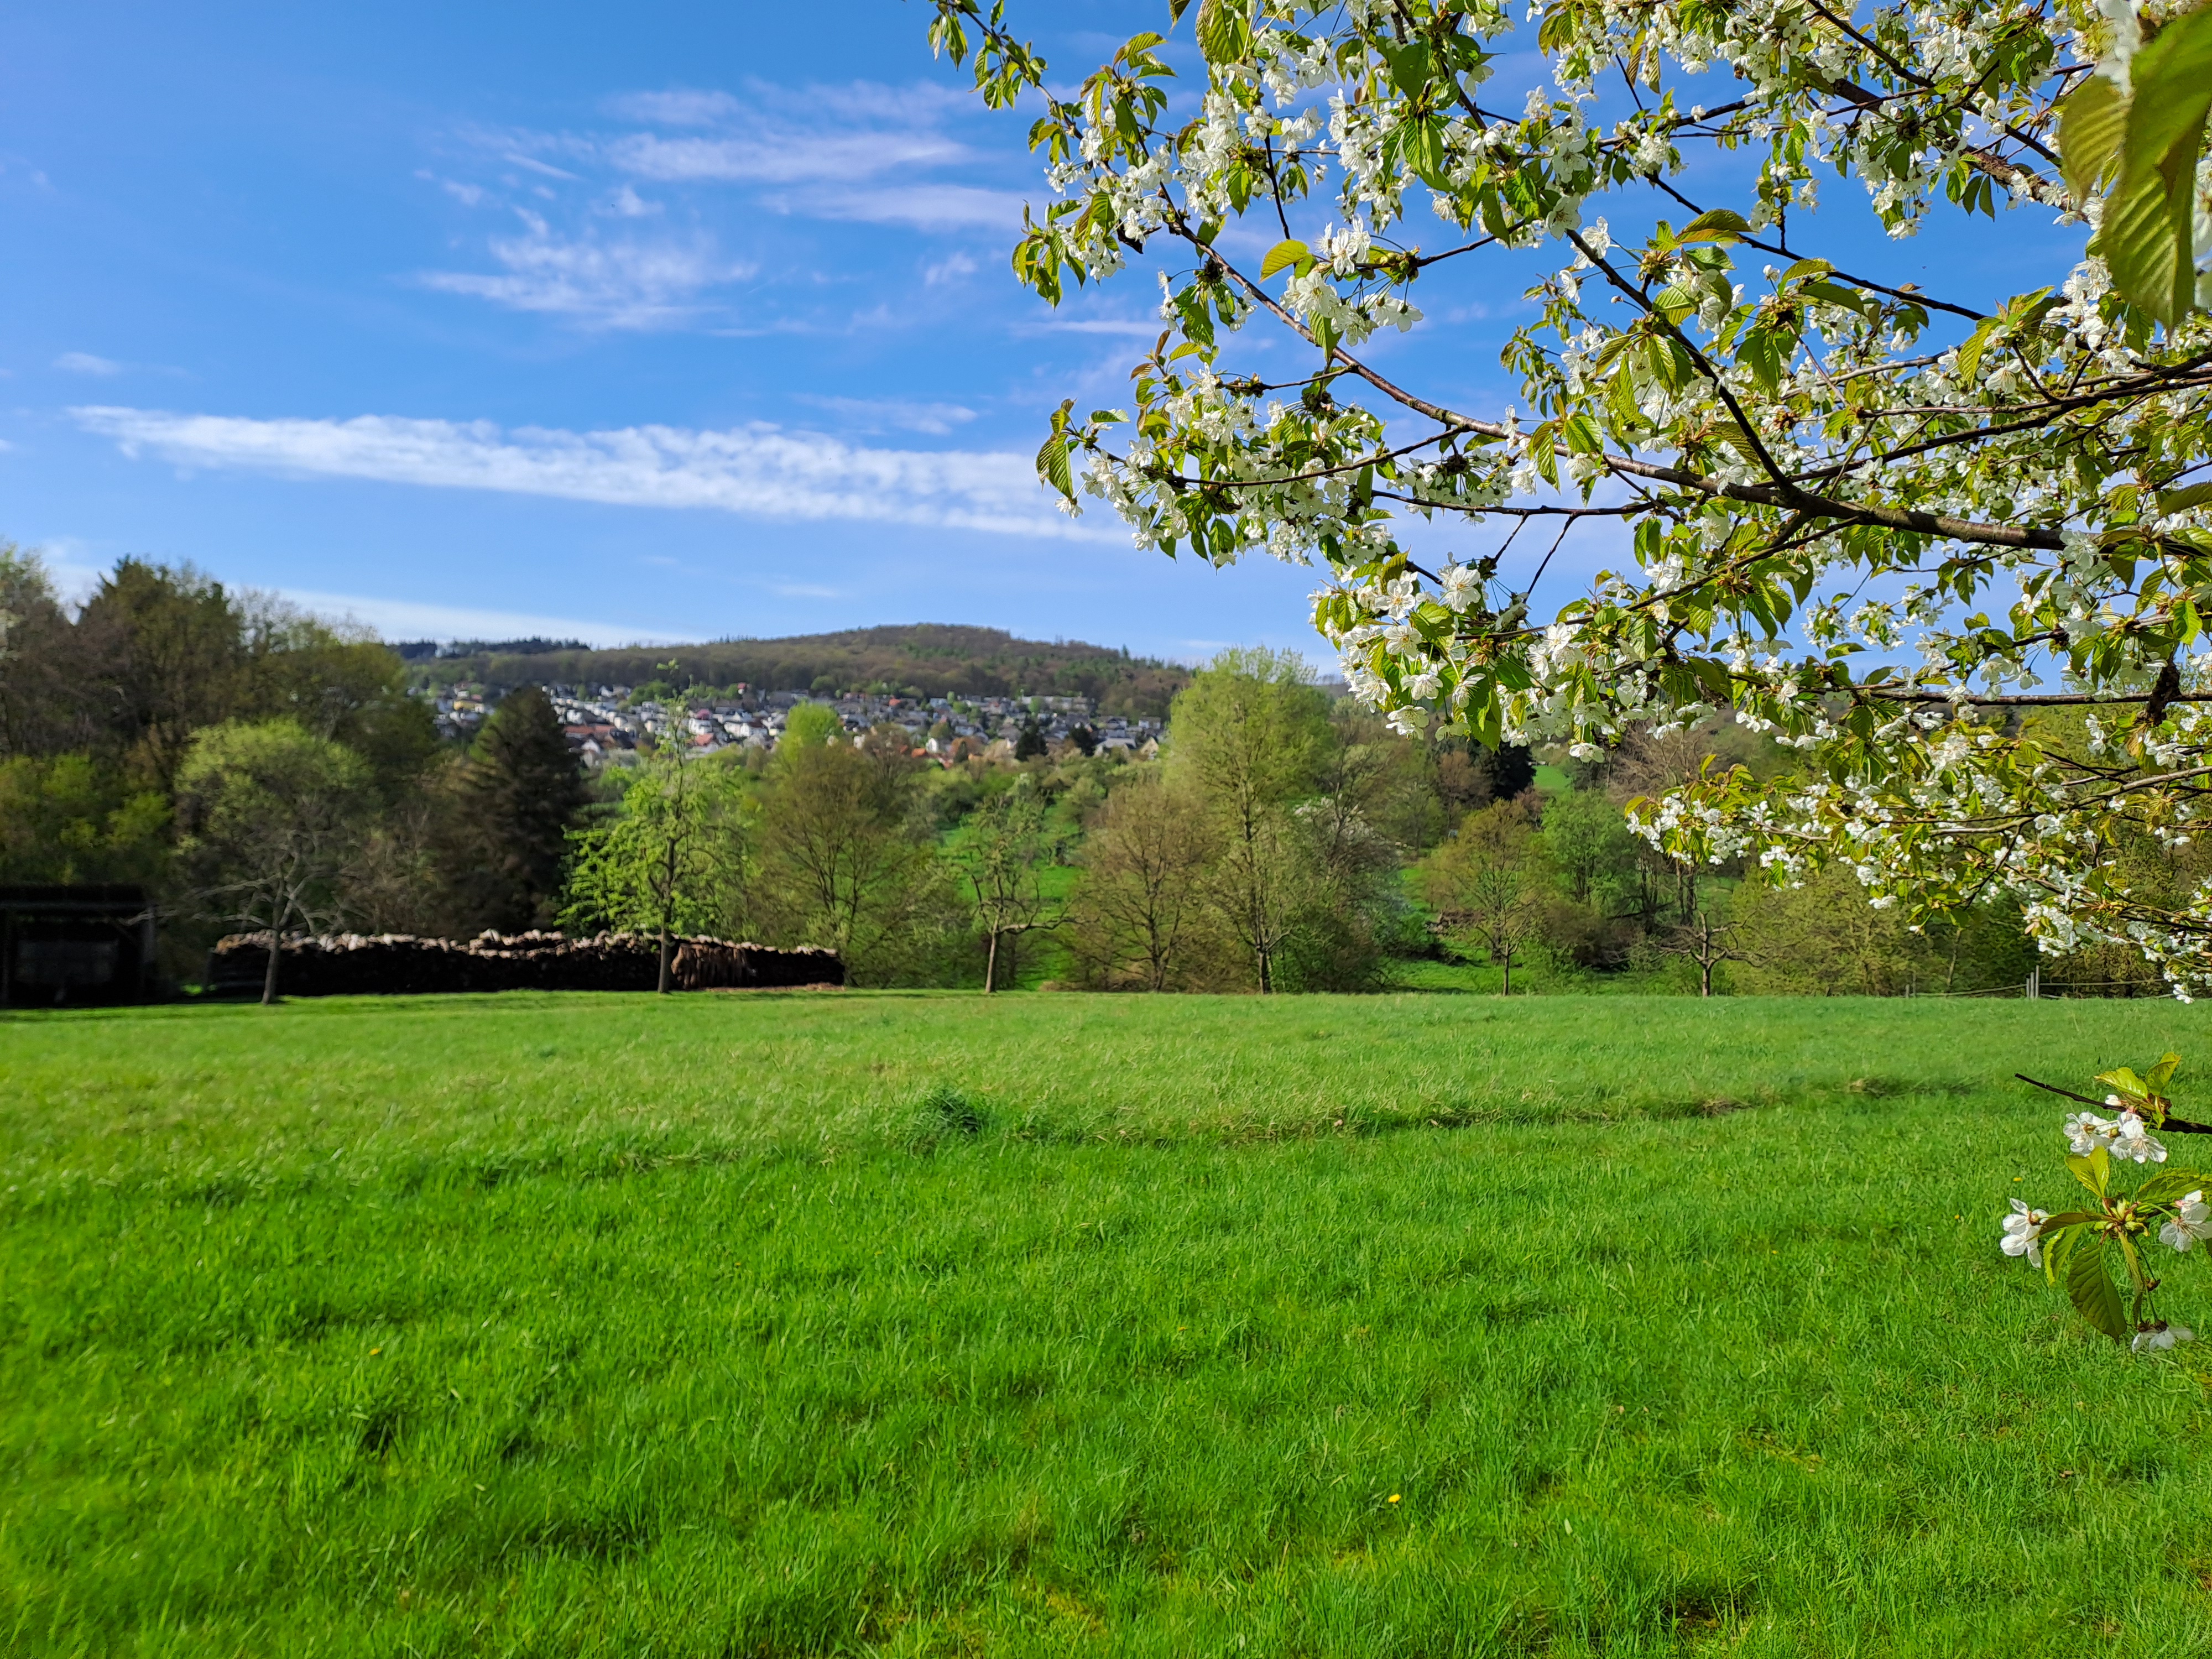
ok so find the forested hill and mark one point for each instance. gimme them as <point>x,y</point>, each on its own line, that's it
<point>925,659</point>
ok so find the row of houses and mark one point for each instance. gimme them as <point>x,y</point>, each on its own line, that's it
<point>606,721</point>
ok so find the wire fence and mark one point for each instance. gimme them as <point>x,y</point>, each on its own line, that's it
<point>2033,989</point>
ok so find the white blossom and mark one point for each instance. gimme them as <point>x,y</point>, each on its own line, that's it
<point>2023,1233</point>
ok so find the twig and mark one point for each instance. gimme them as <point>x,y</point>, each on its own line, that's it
<point>2178,1125</point>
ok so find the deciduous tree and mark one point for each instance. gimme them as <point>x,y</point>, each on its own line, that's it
<point>1142,861</point>
<point>1000,853</point>
<point>1249,738</point>
<point>1491,884</point>
<point>271,812</point>
<point>672,860</point>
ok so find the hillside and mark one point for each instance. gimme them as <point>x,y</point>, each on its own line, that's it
<point>924,659</point>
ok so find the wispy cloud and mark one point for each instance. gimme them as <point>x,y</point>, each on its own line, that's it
<point>950,269</point>
<point>619,283</point>
<point>925,207</point>
<point>780,158</point>
<point>893,414</point>
<point>858,152</point>
<point>760,470</point>
<point>405,619</point>
<point>680,107</point>
<point>1134,327</point>
<point>83,362</point>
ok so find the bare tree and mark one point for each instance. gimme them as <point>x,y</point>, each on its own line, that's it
<point>1704,942</point>
<point>1141,866</point>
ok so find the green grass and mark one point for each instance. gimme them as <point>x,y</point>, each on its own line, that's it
<point>1412,1326</point>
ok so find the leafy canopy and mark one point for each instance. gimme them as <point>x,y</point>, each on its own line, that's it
<point>1810,462</point>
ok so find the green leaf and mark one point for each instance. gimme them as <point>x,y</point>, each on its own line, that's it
<point>2146,238</point>
<point>2169,1184</point>
<point>2059,1243</point>
<point>1720,225</point>
<point>2091,1287</point>
<point>1674,302</point>
<point>1970,354</point>
<point>2094,1171</point>
<point>1761,354</point>
<point>1284,254</point>
<point>1835,293</point>
<point>1224,30</point>
<point>1052,468</point>
<point>2122,1079</point>
<point>1423,149</point>
<point>1409,66</point>
<point>2090,124</point>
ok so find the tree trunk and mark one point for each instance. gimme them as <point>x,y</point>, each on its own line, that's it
<point>991,965</point>
<point>1506,985</point>
<point>1705,979</point>
<point>667,906</point>
<point>269,975</point>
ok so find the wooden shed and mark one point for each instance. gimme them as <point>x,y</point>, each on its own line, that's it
<point>61,947</point>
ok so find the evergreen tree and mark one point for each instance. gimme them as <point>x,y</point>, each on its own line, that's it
<point>518,798</point>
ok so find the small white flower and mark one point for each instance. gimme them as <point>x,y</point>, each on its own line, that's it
<point>1462,586</point>
<point>2157,1338</point>
<point>2023,1233</point>
<point>2086,1132</point>
<point>2192,1220</point>
<point>2131,1139</point>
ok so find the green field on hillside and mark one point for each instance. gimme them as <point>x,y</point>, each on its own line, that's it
<point>1318,1326</point>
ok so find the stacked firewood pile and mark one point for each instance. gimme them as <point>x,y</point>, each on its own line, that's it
<point>399,964</point>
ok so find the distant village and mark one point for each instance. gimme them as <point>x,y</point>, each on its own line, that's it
<point>608,722</point>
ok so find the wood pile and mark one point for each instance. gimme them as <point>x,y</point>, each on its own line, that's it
<point>400,964</point>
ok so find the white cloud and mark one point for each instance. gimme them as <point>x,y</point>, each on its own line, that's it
<point>516,158</point>
<point>678,107</point>
<point>760,470</point>
<point>83,362</point>
<point>1135,327</point>
<point>627,204</point>
<point>950,269</point>
<point>608,284</point>
<point>771,157</point>
<point>925,207</point>
<point>75,566</point>
<point>405,619</point>
<point>892,414</point>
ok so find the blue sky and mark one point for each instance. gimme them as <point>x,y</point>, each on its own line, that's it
<point>647,322</point>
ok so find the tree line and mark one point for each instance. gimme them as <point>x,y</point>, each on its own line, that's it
<point>256,769</point>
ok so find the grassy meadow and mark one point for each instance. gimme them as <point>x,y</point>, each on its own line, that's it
<point>1408,1325</point>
